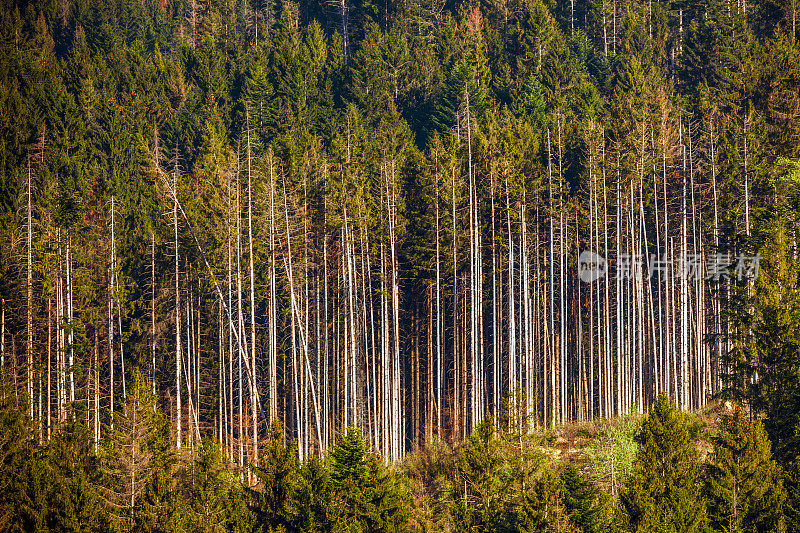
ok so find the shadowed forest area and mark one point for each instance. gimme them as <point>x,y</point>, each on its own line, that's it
<point>431,265</point>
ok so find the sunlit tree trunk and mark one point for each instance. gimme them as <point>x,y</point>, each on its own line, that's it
<point>29,288</point>
<point>178,341</point>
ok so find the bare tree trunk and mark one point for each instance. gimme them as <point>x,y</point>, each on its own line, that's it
<point>396,399</point>
<point>230,401</point>
<point>582,403</point>
<point>153,310</point>
<point>178,357</point>
<point>512,334</point>
<point>438,320</point>
<point>456,396</point>
<point>345,40</point>
<point>49,359</point>
<point>61,381</point>
<point>3,336</point>
<point>591,404</point>
<point>605,30</point>
<point>563,410</point>
<point>241,351</point>
<point>96,374</point>
<point>29,289</point>
<point>746,176</point>
<point>222,396</point>
<point>111,296</point>
<point>69,321</point>
<point>495,317</point>
<point>254,383</point>
<point>273,329</point>
<point>527,322</point>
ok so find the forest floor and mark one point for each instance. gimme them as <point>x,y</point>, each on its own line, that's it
<point>587,443</point>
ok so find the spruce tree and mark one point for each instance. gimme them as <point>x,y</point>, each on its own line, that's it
<point>368,496</point>
<point>663,493</point>
<point>216,495</point>
<point>73,502</point>
<point>744,486</point>
<point>587,506</point>
<point>133,453</point>
<point>277,474</point>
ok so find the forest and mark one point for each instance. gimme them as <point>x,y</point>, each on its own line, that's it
<point>363,266</point>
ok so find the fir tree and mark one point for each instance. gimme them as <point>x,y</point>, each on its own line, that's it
<point>587,506</point>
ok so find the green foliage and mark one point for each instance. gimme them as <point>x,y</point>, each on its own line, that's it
<point>613,452</point>
<point>428,475</point>
<point>588,507</point>
<point>278,475</point>
<point>771,349</point>
<point>343,102</point>
<point>744,486</point>
<point>134,451</point>
<point>366,495</point>
<point>486,483</point>
<point>348,491</point>
<point>216,497</point>
<point>663,493</point>
<point>21,474</point>
<point>75,502</point>
<point>54,488</point>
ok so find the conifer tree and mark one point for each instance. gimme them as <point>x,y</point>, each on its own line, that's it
<point>663,493</point>
<point>217,498</point>
<point>367,497</point>
<point>277,473</point>
<point>133,452</point>
<point>745,491</point>
<point>587,506</point>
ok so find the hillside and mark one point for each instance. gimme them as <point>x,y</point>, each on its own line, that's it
<point>406,220</point>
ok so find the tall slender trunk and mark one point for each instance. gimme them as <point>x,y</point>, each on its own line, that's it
<point>70,337</point>
<point>153,311</point>
<point>438,320</point>
<point>254,378</point>
<point>512,321</point>
<point>49,358</point>
<point>29,289</point>
<point>273,311</point>
<point>549,367</point>
<point>396,399</point>
<point>229,255</point>
<point>457,423</point>
<point>178,356</point>
<point>746,175</point>
<point>95,373</point>
<point>241,350</point>
<point>495,315</point>
<point>3,335</point>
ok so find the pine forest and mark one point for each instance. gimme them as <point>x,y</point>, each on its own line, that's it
<point>426,265</point>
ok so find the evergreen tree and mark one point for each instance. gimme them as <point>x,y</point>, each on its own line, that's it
<point>745,491</point>
<point>768,345</point>
<point>366,495</point>
<point>277,473</point>
<point>587,506</point>
<point>22,480</point>
<point>132,453</point>
<point>216,496</point>
<point>74,502</point>
<point>663,493</point>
